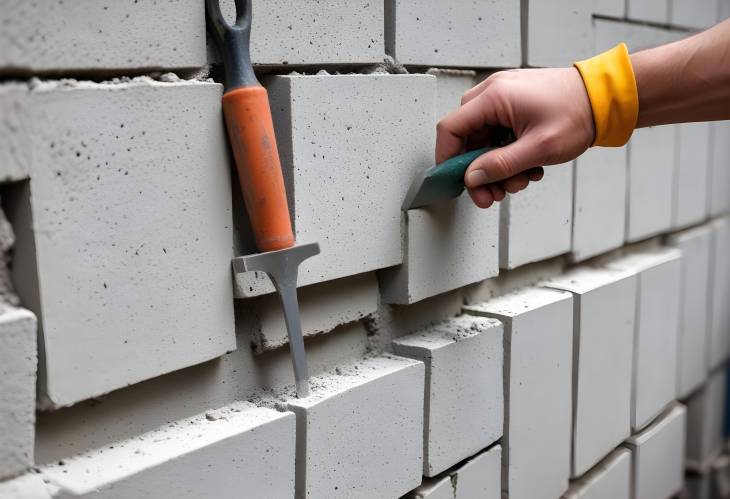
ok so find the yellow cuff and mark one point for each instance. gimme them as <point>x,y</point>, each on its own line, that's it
<point>611,86</point>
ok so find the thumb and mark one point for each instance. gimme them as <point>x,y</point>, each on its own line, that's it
<point>505,162</point>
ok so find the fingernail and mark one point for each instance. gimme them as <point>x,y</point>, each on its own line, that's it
<point>476,178</point>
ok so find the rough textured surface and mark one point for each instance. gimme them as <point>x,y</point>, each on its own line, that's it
<point>342,154</point>
<point>139,212</point>
<point>719,341</point>
<point>463,409</point>
<point>538,350</point>
<point>651,182</point>
<point>658,456</point>
<point>705,421</point>
<point>480,476</point>
<point>695,245</point>
<point>599,201</point>
<point>604,306</point>
<point>47,35</point>
<point>692,173</point>
<point>380,396</point>
<point>447,246</point>
<point>15,149</point>
<point>547,46</point>
<point>431,32</point>
<point>610,479</point>
<point>536,223</point>
<point>720,169</point>
<point>226,451</point>
<point>17,389</point>
<point>316,32</point>
<point>322,308</point>
<point>656,331</point>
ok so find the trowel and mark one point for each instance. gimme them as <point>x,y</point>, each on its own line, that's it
<point>251,134</point>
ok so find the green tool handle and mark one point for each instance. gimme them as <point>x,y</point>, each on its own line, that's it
<point>453,169</point>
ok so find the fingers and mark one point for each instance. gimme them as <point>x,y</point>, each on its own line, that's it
<point>482,196</point>
<point>469,119</point>
<point>505,162</point>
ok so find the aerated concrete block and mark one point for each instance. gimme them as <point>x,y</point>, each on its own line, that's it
<point>651,182</point>
<point>720,169</point>
<point>609,33</point>
<point>599,201</point>
<point>480,476</point>
<point>433,488</point>
<point>692,173</point>
<point>656,331</point>
<point>611,8</point>
<point>47,35</point>
<point>28,486</point>
<point>360,433</point>
<point>15,148</point>
<point>648,10</point>
<point>610,479</point>
<point>220,454</point>
<point>535,224</point>
<point>719,341</point>
<point>463,409</point>
<point>446,247</point>
<point>434,33</point>
<point>451,84</point>
<point>705,418</point>
<point>538,350</point>
<point>139,212</point>
<point>604,306</point>
<point>547,46</point>
<point>331,32</point>
<point>350,146</point>
<point>658,456</point>
<point>322,308</point>
<point>18,337</point>
<point>695,245</point>
<point>693,14</point>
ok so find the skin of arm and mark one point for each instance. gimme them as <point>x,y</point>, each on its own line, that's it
<point>550,113</point>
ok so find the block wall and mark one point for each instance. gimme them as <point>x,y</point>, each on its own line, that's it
<point>568,342</point>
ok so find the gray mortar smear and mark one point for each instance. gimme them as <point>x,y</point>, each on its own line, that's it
<point>7,241</point>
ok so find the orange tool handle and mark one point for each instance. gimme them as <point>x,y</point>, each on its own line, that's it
<point>251,133</point>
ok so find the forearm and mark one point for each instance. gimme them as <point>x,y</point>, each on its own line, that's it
<point>685,81</point>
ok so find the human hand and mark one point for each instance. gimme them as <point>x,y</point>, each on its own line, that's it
<point>547,109</point>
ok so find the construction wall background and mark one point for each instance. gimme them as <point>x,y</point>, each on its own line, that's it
<point>571,341</point>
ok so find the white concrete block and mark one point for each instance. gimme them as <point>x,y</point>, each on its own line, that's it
<point>433,488</point>
<point>480,477</point>
<point>18,337</point>
<point>218,454</point>
<point>331,32</point>
<point>648,10</point>
<point>611,8</point>
<point>322,308</point>
<point>719,341</point>
<point>463,409</point>
<point>538,350</point>
<point>361,431</point>
<point>604,303</point>
<point>547,46</point>
<point>656,331</point>
<point>651,182</point>
<point>694,309</point>
<point>692,13</point>
<point>723,11</point>
<point>536,223</point>
<point>451,84</point>
<point>692,163</point>
<point>720,169</point>
<point>28,486</point>
<point>377,130</point>
<point>84,34</point>
<point>15,148</point>
<point>705,421</point>
<point>599,201</point>
<point>610,479</point>
<point>446,247</point>
<point>658,456</point>
<point>139,212</point>
<point>608,34</point>
<point>442,34</point>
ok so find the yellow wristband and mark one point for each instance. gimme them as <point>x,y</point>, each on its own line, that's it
<point>611,85</point>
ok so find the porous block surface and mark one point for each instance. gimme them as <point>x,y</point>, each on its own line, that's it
<point>692,170</point>
<point>610,479</point>
<point>463,409</point>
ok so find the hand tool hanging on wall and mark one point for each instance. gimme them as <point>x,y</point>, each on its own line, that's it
<point>251,134</point>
